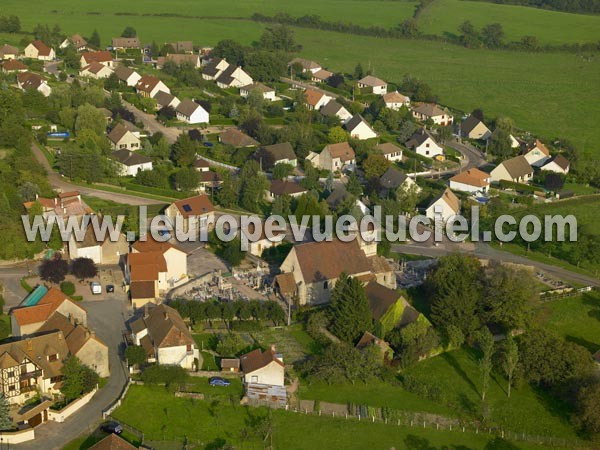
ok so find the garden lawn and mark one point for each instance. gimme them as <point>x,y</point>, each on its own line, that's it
<point>375,393</point>
<point>577,319</point>
<point>293,342</point>
<point>161,416</point>
<point>110,208</point>
<point>528,410</point>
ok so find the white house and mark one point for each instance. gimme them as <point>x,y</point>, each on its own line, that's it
<point>335,157</point>
<point>390,151</point>
<point>471,180</point>
<point>426,111</point>
<point>270,155</point>
<point>164,99</point>
<point>96,70</point>
<point>514,143</point>
<point>78,42</point>
<point>191,112</point>
<point>315,100</point>
<point>284,187</point>
<point>473,128</point>
<point>130,163</point>
<point>214,69</point>
<point>376,85</point>
<point>165,337</point>
<point>307,65</point>
<point>443,207</point>
<point>263,368</point>
<point>423,143</point>
<point>334,109</point>
<point>537,154</point>
<point>103,57</point>
<point>515,169</point>
<point>395,100</point>
<point>29,80</point>
<point>558,164</point>
<point>267,92</point>
<point>121,138</point>
<point>233,77</point>
<point>394,179</point>
<point>359,128</point>
<point>38,50</point>
<point>128,76</point>
<point>149,86</point>
<point>9,52</point>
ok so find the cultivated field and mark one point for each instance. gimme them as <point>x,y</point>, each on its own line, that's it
<point>550,27</point>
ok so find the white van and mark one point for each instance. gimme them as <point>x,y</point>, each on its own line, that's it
<point>96,288</point>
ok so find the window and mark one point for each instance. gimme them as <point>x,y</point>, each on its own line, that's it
<point>188,348</point>
<point>11,373</point>
<point>254,379</point>
<point>325,285</point>
<point>53,357</point>
<point>12,387</point>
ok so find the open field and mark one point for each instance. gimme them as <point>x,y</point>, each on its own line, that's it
<point>550,27</point>
<point>161,416</point>
<point>116,13</point>
<point>576,318</point>
<point>527,410</point>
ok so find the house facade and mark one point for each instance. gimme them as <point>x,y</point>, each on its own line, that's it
<point>444,207</point>
<point>515,169</point>
<point>359,128</point>
<point>39,50</point>
<point>373,84</point>
<point>431,111</point>
<point>263,368</point>
<point>198,209</point>
<point>191,112</point>
<point>130,163</point>
<point>423,143</point>
<point>336,157</point>
<point>390,151</point>
<point>123,139</point>
<point>471,181</point>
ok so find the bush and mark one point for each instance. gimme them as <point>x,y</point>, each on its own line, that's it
<point>67,288</point>
<point>173,377</point>
<point>246,325</point>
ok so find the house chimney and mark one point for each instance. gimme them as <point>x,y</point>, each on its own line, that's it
<point>166,315</point>
<point>29,345</point>
<point>60,336</point>
<point>273,349</point>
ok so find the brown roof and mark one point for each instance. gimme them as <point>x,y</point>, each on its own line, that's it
<point>117,133</point>
<point>142,289</point>
<point>561,162</point>
<point>100,56</point>
<point>146,266</point>
<point>258,87</point>
<point>540,146</point>
<point>270,154</point>
<point>167,328</point>
<point>147,83</point>
<point>472,177</point>
<point>37,349</point>
<point>517,166</point>
<point>124,72</point>
<point>43,49</point>
<point>394,97</point>
<point>187,107</point>
<point>183,46</point>
<point>387,148</point>
<point>313,97</point>
<point>123,42</point>
<point>322,74</point>
<point>237,138</point>
<point>94,67</point>
<point>8,50</point>
<point>178,58</point>
<point>320,261</point>
<point>195,206</point>
<point>450,199</point>
<point>230,363</point>
<point>286,283</point>
<point>40,312</point>
<point>258,359</point>
<point>152,245</point>
<point>305,63</point>
<point>129,158</point>
<point>13,65</point>
<point>78,41</point>
<point>429,110</point>
<point>381,299</point>
<point>281,187</point>
<point>341,150</point>
<point>372,81</point>
<point>30,80</point>
<point>370,339</point>
<point>113,442</point>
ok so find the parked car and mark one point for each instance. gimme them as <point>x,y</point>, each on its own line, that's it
<point>96,288</point>
<point>112,427</point>
<point>218,381</point>
<point>110,288</point>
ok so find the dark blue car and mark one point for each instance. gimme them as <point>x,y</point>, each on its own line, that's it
<point>218,381</point>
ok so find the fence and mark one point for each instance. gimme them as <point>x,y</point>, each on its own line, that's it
<point>114,405</point>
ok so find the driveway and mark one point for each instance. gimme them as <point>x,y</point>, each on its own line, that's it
<point>57,181</point>
<point>107,318</point>
<point>151,124</point>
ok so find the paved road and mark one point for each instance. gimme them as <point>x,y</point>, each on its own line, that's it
<point>472,155</point>
<point>107,318</point>
<point>151,124</point>
<point>10,278</point>
<point>59,182</point>
<point>484,251</point>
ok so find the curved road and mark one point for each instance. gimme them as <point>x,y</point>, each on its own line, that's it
<point>57,181</point>
<point>484,251</point>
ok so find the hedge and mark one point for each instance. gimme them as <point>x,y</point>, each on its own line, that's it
<point>154,190</point>
<point>519,187</point>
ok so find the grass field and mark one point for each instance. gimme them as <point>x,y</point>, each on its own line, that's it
<point>550,27</point>
<point>163,417</point>
<point>527,410</point>
<point>110,208</point>
<point>576,318</point>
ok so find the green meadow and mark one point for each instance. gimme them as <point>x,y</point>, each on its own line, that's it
<point>550,27</point>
